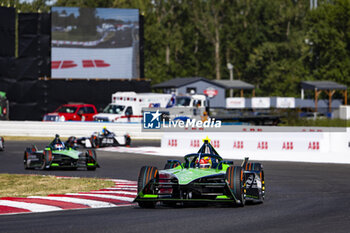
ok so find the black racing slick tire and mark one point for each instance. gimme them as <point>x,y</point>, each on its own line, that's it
<point>235,179</point>
<point>46,159</point>
<point>127,141</point>
<point>171,165</point>
<point>2,144</point>
<point>146,175</point>
<point>94,142</point>
<point>91,158</point>
<point>258,167</point>
<point>27,152</point>
<point>253,167</point>
<point>25,159</point>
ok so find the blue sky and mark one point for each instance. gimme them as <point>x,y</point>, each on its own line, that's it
<point>106,13</point>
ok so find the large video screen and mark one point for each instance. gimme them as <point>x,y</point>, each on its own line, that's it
<point>95,43</point>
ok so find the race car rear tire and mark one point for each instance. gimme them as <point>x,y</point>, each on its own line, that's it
<point>94,142</point>
<point>258,167</point>
<point>91,158</point>
<point>235,179</point>
<point>170,165</point>
<point>146,175</point>
<point>253,167</point>
<point>2,147</point>
<point>127,141</point>
<point>25,159</point>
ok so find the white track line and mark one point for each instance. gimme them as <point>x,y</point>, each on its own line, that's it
<point>91,203</point>
<point>114,192</point>
<point>29,206</point>
<point>121,198</point>
<point>120,189</point>
<point>123,181</point>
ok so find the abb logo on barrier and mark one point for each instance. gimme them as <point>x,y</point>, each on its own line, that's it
<point>85,63</point>
<point>252,130</point>
<point>287,146</point>
<point>312,130</point>
<point>314,146</point>
<point>195,143</point>
<point>194,128</point>
<point>215,143</point>
<point>263,145</point>
<point>238,145</point>
<point>172,142</point>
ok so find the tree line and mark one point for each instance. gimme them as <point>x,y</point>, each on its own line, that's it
<point>271,44</point>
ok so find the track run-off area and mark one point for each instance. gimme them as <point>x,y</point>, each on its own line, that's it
<point>300,197</point>
<point>121,194</point>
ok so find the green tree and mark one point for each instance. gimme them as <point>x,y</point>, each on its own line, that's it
<point>87,21</point>
<point>208,18</point>
<point>275,64</point>
<point>328,37</point>
<point>26,7</point>
<point>85,3</point>
<point>272,44</point>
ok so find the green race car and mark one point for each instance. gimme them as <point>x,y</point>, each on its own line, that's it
<point>59,155</point>
<point>203,177</point>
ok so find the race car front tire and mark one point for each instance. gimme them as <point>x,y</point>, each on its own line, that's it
<point>146,175</point>
<point>27,152</point>
<point>46,160</point>
<point>91,157</point>
<point>235,179</point>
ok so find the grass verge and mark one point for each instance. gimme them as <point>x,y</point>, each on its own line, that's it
<point>31,138</point>
<point>315,123</point>
<point>13,185</point>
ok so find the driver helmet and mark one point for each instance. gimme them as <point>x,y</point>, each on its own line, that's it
<point>104,129</point>
<point>59,146</point>
<point>205,162</point>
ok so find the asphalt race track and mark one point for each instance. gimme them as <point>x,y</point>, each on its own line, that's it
<point>301,197</point>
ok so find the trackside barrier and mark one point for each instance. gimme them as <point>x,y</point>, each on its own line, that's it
<point>259,143</point>
<point>66,129</point>
<point>80,129</point>
<point>329,147</point>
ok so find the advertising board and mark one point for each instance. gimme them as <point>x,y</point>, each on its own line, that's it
<point>95,43</point>
<point>235,102</point>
